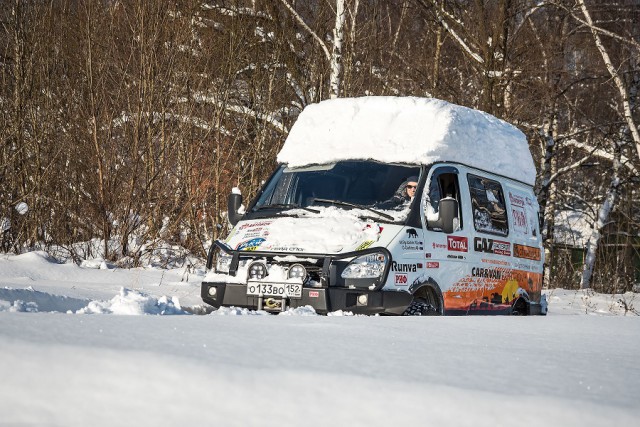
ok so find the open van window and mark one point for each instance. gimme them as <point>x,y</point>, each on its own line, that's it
<point>443,183</point>
<point>362,183</point>
<point>487,201</point>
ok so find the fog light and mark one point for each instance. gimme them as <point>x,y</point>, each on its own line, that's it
<point>363,299</point>
<point>257,271</point>
<point>297,271</point>
<point>213,291</point>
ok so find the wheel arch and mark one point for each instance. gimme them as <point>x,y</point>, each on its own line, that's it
<point>430,291</point>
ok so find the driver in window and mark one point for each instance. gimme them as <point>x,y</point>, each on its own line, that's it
<point>406,192</point>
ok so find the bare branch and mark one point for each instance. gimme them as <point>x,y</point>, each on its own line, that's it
<point>304,25</point>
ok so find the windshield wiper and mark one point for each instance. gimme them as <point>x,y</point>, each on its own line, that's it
<point>353,205</point>
<point>286,206</point>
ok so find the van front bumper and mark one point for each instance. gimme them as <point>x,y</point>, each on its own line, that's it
<point>323,300</point>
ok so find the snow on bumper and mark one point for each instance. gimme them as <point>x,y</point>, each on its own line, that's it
<point>323,300</point>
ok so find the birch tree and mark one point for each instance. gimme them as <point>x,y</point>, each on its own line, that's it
<point>604,213</point>
<point>623,90</point>
<point>333,57</point>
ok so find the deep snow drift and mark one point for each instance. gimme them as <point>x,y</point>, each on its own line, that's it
<point>67,360</point>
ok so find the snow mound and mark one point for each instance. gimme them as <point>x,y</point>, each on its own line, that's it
<point>237,311</point>
<point>586,301</point>
<point>19,306</point>
<point>130,302</point>
<point>407,130</point>
<point>30,300</point>
<point>307,310</point>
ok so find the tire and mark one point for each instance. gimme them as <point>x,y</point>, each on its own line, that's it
<point>420,307</point>
<point>427,301</point>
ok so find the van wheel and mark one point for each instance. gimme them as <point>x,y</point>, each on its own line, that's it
<point>519,308</point>
<point>420,307</point>
<point>425,303</point>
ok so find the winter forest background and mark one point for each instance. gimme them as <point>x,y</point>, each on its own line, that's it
<point>131,120</point>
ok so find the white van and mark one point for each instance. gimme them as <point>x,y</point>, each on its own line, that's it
<point>334,227</point>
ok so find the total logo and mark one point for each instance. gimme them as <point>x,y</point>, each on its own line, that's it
<point>459,244</point>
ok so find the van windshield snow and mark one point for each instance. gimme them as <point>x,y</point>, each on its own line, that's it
<point>368,185</point>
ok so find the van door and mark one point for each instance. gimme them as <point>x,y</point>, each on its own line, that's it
<point>447,254</point>
<point>492,249</point>
<point>528,251</point>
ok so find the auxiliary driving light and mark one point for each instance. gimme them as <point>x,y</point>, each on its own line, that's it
<point>297,271</point>
<point>213,291</point>
<point>363,299</point>
<point>257,270</point>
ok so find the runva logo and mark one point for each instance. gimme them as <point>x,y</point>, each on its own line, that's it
<point>405,268</point>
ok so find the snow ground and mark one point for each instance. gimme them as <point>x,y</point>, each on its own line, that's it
<point>64,361</point>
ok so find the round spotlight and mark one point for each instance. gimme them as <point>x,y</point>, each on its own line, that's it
<point>257,271</point>
<point>213,291</point>
<point>297,271</point>
<point>363,299</point>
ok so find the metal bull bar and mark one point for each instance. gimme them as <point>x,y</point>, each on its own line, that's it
<point>327,259</point>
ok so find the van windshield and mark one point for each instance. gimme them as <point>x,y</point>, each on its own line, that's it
<point>346,184</point>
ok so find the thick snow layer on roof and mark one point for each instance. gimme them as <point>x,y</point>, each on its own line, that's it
<point>407,130</point>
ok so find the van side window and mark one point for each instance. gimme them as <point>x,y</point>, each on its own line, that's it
<point>444,183</point>
<point>487,203</point>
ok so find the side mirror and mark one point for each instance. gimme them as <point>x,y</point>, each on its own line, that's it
<point>447,215</point>
<point>233,205</point>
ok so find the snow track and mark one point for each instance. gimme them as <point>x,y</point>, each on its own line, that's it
<point>235,367</point>
<point>31,300</point>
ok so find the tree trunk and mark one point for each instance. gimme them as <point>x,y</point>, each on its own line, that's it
<point>603,218</point>
<point>336,54</point>
<point>622,89</point>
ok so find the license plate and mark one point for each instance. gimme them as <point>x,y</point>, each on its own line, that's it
<point>288,290</point>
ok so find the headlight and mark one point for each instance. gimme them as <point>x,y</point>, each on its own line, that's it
<point>257,271</point>
<point>223,262</point>
<point>297,271</point>
<point>370,266</point>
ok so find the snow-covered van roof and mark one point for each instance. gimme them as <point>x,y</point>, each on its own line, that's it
<point>407,130</point>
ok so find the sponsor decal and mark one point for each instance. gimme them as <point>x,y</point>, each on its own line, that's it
<point>250,245</point>
<point>364,245</point>
<point>439,245</point>
<point>401,279</point>
<point>490,246</point>
<point>283,248</point>
<point>412,242</point>
<point>495,261</point>
<point>406,268</point>
<point>526,252</point>
<point>411,245</point>
<point>456,256</point>
<point>412,233</point>
<point>501,248</point>
<point>433,264</point>
<point>516,199</point>
<point>255,225</point>
<point>488,273</point>
<point>525,267</point>
<point>518,212</point>
<point>519,220</point>
<point>314,294</point>
<point>491,288</point>
<point>427,255</point>
<point>459,244</point>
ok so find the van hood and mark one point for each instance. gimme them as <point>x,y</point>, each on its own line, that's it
<point>317,235</point>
